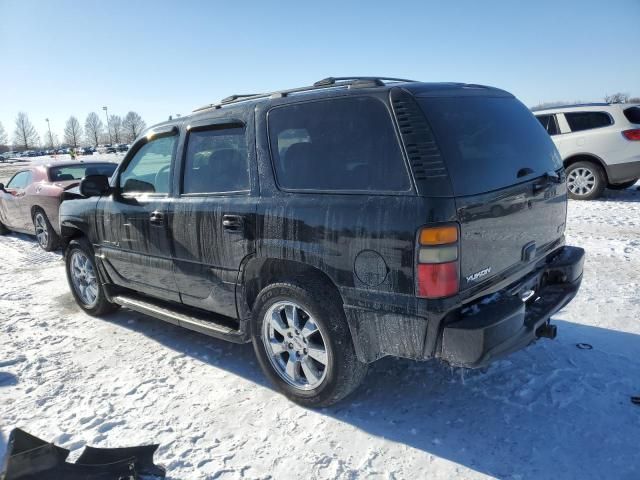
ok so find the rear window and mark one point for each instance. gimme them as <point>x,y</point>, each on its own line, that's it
<point>346,144</point>
<point>633,114</point>
<point>579,121</point>
<point>487,142</point>
<point>78,172</point>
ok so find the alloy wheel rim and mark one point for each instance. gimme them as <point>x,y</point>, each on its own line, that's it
<point>83,276</point>
<point>581,181</point>
<point>42,233</point>
<point>295,345</point>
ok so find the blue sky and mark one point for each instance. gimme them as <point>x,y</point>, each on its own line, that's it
<point>62,58</point>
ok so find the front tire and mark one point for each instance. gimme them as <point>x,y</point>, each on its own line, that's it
<point>3,230</point>
<point>84,281</point>
<point>303,343</point>
<point>585,180</point>
<point>45,234</point>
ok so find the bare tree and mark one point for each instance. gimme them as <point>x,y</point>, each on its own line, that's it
<point>115,124</point>
<point>618,97</point>
<point>93,128</point>
<point>634,100</point>
<point>25,135</point>
<point>132,126</point>
<point>72,132</point>
<point>4,139</point>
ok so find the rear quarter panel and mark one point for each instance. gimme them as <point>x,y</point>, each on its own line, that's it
<point>47,197</point>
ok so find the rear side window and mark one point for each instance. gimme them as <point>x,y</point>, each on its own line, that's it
<point>216,161</point>
<point>633,114</point>
<point>488,142</point>
<point>549,123</point>
<point>346,144</point>
<point>579,121</point>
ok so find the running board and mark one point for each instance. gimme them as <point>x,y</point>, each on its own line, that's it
<point>210,324</point>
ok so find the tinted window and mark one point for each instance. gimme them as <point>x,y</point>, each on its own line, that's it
<point>216,161</point>
<point>77,172</point>
<point>333,145</point>
<point>579,121</point>
<point>633,114</point>
<point>486,141</point>
<point>149,170</point>
<point>20,180</point>
<point>549,123</point>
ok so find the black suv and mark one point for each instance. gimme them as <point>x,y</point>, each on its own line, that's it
<point>333,225</point>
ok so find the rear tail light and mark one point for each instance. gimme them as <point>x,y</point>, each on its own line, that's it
<point>632,134</point>
<point>437,262</point>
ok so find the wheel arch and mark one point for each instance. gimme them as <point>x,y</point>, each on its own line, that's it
<point>587,157</point>
<point>261,272</point>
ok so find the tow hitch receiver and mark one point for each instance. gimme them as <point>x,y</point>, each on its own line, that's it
<point>547,331</point>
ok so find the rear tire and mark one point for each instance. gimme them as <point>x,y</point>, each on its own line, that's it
<point>623,186</point>
<point>585,180</point>
<point>313,361</point>
<point>84,280</point>
<point>45,234</point>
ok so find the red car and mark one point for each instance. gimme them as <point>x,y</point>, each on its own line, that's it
<point>30,200</point>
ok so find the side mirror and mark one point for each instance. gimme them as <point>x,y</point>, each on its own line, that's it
<point>94,186</point>
<point>2,187</point>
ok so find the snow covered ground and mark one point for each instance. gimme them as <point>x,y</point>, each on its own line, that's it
<point>550,411</point>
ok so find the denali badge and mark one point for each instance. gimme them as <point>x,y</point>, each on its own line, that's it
<point>480,274</point>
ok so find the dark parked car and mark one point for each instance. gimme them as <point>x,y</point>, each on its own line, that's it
<point>29,202</point>
<point>333,225</point>
<point>123,147</point>
<point>110,148</point>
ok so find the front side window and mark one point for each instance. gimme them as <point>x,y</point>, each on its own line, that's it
<point>579,121</point>
<point>149,170</point>
<point>344,144</point>
<point>549,123</point>
<point>20,180</point>
<point>216,161</point>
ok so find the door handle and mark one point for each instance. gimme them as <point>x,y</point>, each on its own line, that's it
<point>547,179</point>
<point>233,223</point>
<point>156,218</point>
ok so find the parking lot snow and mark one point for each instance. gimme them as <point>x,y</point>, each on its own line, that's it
<point>550,411</point>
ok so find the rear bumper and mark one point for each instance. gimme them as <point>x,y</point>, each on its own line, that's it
<point>623,172</point>
<point>474,334</point>
<point>504,323</point>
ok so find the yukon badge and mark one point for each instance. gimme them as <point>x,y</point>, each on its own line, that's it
<point>478,275</point>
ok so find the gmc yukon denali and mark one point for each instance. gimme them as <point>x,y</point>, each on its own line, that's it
<point>333,225</point>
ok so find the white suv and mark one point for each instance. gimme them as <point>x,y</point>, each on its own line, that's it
<point>599,144</point>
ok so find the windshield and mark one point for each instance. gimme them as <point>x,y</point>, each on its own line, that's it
<point>488,141</point>
<point>78,172</point>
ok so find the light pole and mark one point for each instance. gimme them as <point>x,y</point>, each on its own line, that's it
<point>50,136</point>
<point>106,114</point>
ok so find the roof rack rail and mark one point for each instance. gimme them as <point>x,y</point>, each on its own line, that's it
<point>571,105</point>
<point>232,98</point>
<point>329,82</point>
<point>377,80</point>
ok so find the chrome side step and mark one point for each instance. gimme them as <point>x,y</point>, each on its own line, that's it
<point>209,324</point>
